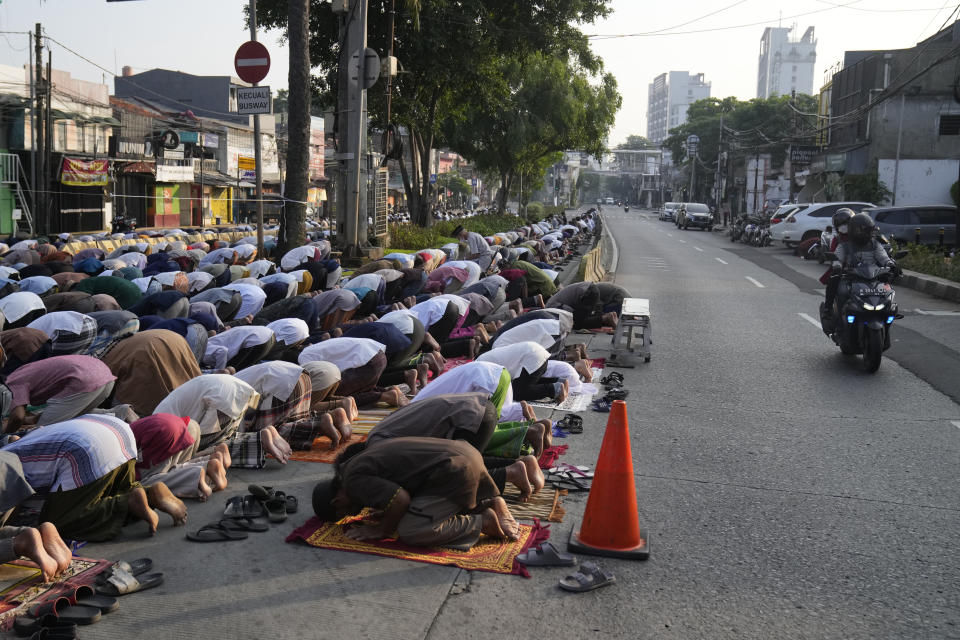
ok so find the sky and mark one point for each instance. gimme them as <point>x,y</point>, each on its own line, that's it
<point>719,39</point>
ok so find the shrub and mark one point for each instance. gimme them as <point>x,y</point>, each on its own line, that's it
<point>410,236</point>
<point>931,261</point>
<point>534,212</point>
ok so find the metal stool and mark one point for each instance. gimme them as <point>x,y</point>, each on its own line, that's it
<point>635,313</point>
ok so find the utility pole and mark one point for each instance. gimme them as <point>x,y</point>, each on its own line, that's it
<point>257,155</point>
<point>48,158</point>
<point>716,200</point>
<point>793,133</point>
<point>39,184</point>
<point>756,176</point>
<point>896,163</point>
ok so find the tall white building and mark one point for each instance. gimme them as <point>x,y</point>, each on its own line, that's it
<point>668,97</point>
<point>786,63</point>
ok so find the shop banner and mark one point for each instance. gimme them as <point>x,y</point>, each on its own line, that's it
<point>84,173</point>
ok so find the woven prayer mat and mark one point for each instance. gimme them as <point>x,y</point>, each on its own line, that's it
<point>321,451</point>
<point>368,419</point>
<point>544,505</point>
<point>495,556</point>
<point>22,585</point>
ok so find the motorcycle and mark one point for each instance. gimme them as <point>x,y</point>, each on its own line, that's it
<point>737,228</point>
<point>626,209</point>
<point>123,224</point>
<point>863,318</point>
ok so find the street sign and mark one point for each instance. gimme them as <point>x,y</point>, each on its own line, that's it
<point>802,155</point>
<point>246,163</point>
<point>473,182</point>
<point>252,100</point>
<point>433,178</point>
<point>371,67</point>
<point>252,62</point>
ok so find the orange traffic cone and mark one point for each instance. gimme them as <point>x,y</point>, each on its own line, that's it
<point>611,525</point>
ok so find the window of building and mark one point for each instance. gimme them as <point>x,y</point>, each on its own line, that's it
<point>950,125</point>
<point>61,141</point>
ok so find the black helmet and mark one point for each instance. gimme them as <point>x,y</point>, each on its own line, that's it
<point>842,216</point>
<point>860,229</point>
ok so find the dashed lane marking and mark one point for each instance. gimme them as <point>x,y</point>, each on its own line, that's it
<point>699,249</point>
<point>670,234</point>
<point>955,423</point>
<point>754,282</point>
<point>721,261</point>
<point>683,241</point>
<point>937,313</point>
<point>810,319</point>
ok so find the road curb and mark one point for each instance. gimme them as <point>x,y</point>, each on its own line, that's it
<point>931,285</point>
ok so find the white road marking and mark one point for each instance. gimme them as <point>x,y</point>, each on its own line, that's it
<point>754,282</point>
<point>699,249</point>
<point>955,423</point>
<point>721,261</point>
<point>670,234</point>
<point>811,320</point>
<point>937,313</point>
<point>683,241</point>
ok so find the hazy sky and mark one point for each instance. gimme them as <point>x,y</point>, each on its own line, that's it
<point>201,37</point>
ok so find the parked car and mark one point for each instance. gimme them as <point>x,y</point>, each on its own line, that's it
<point>809,221</point>
<point>669,211</point>
<point>772,204</point>
<point>608,200</point>
<point>900,224</point>
<point>694,214</point>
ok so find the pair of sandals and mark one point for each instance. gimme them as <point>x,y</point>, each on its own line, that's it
<point>589,575</point>
<point>613,380</point>
<point>604,404</point>
<point>259,503</point>
<point>227,530</point>
<point>570,478</point>
<point>570,423</point>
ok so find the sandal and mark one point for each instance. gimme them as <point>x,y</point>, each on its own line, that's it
<point>546,555</point>
<point>614,379</point>
<point>588,578</point>
<point>121,583</point>
<point>84,596</point>
<point>215,532</point>
<point>27,626</point>
<point>277,507</point>
<point>244,524</point>
<point>244,507</point>
<point>65,612</point>
<point>616,394</point>
<point>134,568</point>
<point>574,423</point>
<point>603,405</point>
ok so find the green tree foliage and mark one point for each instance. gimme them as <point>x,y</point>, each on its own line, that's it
<point>636,143</point>
<point>866,188</point>
<point>454,183</point>
<point>447,50</point>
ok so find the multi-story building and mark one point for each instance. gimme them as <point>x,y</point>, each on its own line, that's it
<point>668,97</point>
<point>786,63</point>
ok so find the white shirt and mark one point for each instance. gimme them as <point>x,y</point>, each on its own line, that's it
<point>202,397</point>
<point>274,379</point>
<point>472,268</point>
<point>517,358</point>
<point>198,280</point>
<point>463,305</point>
<point>16,305</point>
<point>467,378</point>
<point>428,312</point>
<point>543,332</point>
<point>364,281</point>
<point>346,353</point>
<point>253,298</point>
<point>290,330</point>
<point>293,258</point>
<point>401,319</point>
<point>218,255</point>
<point>259,267</point>
<point>245,250</point>
<point>226,344</point>
<point>564,371</point>
<point>389,275</point>
<point>57,322</point>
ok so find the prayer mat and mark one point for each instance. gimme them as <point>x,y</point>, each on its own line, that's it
<point>495,556</point>
<point>544,505</point>
<point>22,585</point>
<point>607,330</point>
<point>452,363</point>
<point>321,451</point>
<point>576,401</point>
<point>368,419</point>
<point>548,459</point>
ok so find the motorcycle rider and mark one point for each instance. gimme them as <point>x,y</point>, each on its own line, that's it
<point>840,220</point>
<point>858,247</point>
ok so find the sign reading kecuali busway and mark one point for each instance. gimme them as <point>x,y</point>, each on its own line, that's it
<point>252,100</point>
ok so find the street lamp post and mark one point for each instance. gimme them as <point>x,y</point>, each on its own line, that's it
<point>693,144</point>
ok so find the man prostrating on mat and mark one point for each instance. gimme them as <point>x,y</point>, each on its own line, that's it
<point>430,491</point>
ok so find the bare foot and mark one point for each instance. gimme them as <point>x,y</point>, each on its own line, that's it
<point>394,396</point>
<point>528,412</point>
<point>139,506</point>
<point>473,348</point>
<point>274,444</point>
<point>328,429</point>
<point>29,544</point>
<point>583,368</point>
<point>350,406</point>
<point>345,431</point>
<point>422,374</point>
<point>534,437</point>
<point>491,524</point>
<point>410,302</point>
<point>224,452</point>
<point>481,334</point>
<point>217,474</point>
<point>564,392</point>
<point>517,476</point>
<point>55,547</point>
<point>160,497</point>
<point>337,332</point>
<point>547,433</point>
<point>534,473</point>
<point>505,518</point>
<point>204,487</point>
<point>410,378</point>
<point>609,319</point>
<point>339,418</point>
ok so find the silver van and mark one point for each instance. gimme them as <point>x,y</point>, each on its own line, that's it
<point>901,224</point>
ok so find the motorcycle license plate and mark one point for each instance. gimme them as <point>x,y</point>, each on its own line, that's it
<point>874,292</point>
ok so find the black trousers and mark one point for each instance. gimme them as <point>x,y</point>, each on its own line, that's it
<point>533,386</point>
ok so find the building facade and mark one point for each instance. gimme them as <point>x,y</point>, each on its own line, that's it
<point>786,63</point>
<point>668,97</point>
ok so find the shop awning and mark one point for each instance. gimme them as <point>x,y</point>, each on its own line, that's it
<point>138,167</point>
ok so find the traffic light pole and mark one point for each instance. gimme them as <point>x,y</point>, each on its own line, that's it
<point>257,156</point>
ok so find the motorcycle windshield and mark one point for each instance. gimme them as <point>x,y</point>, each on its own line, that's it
<point>866,271</point>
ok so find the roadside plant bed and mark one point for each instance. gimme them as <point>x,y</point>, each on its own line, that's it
<point>931,261</point>
<point>410,236</point>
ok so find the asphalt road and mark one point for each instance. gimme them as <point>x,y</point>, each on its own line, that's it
<point>786,494</point>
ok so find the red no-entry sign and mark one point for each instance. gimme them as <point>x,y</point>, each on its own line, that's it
<point>252,62</point>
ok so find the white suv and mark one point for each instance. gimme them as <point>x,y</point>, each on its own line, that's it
<point>809,221</point>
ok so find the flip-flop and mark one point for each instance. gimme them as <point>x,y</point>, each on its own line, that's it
<point>122,583</point>
<point>84,596</point>
<point>244,507</point>
<point>66,612</point>
<point>25,626</point>
<point>292,504</point>
<point>55,633</point>
<point>546,555</point>
<point>602,405</point>
<point>133,567</point>
<point>277,507</point>
<point>244,524</point>
<point>588,578</point>
<point>215,532</point>
<point>571,484</point>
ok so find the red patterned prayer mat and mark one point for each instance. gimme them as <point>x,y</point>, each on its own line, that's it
<point>22,585</point>
<point>495,556</point>
<point>452,363</point>
<point>321,451</point>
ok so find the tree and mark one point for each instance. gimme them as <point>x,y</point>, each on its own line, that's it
<point>635,143</point>
<point>293,230</point>
<point>443,47</point>
<point>866,187</point>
